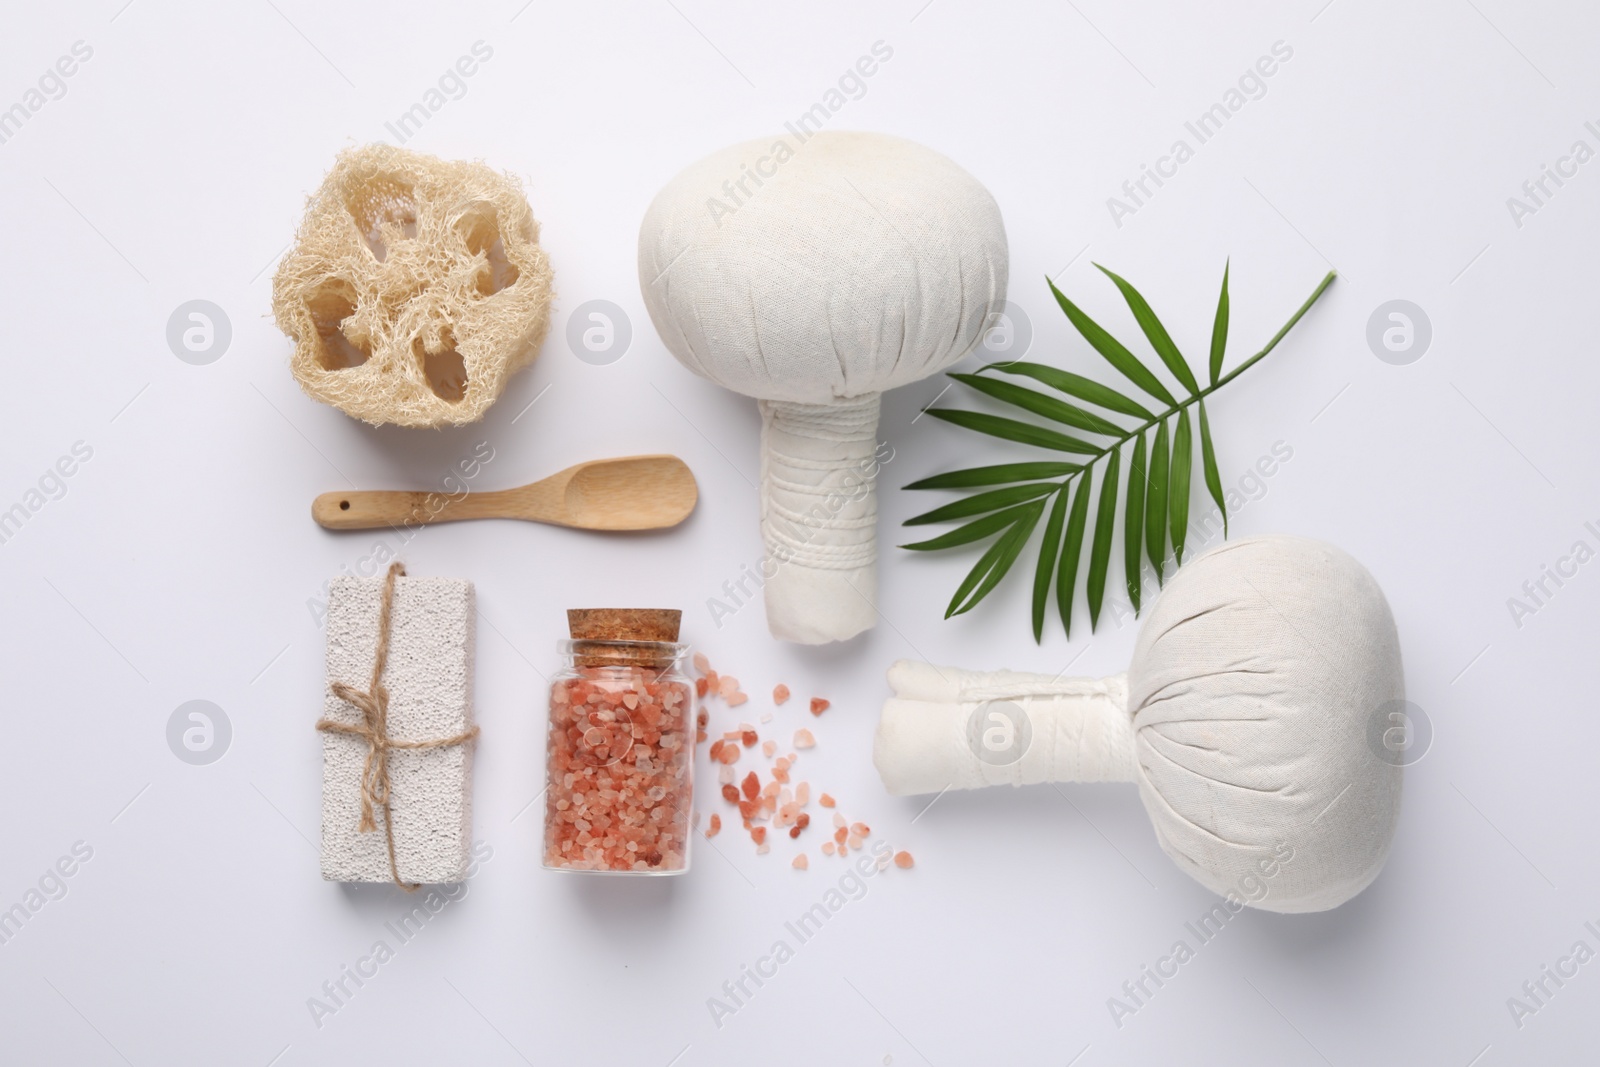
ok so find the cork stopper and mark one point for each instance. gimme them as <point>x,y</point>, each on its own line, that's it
<point>623,636</point>
<point>624,624</point>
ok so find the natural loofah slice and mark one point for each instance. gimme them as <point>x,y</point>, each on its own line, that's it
<point>416,286</point>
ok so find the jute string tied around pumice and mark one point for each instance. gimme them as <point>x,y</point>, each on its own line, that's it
<point>374,729</point>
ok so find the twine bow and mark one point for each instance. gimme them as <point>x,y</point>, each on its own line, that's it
<point>374,729</point>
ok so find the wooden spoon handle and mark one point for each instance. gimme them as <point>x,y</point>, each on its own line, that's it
<point>372,509</point>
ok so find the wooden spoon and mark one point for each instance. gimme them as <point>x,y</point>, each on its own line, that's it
<point>626,493</point>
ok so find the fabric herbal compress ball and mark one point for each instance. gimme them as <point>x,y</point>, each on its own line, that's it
<point>813,276</point>
<point>1246,719</point>
<point>416,286</point>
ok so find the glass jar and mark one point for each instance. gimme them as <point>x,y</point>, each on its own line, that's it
<point>619,760</point>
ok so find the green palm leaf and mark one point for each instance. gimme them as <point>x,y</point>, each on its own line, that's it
<point>1067,580</point>
<point>979,503</point>
<point>994,563</point>
<point>1000,474</point>
<point>1012,430</point>
<point>1040,404</point>
<point>1156,333</point>
<point>1219,329</point>
<point>1155,505</point>
<point>1178,484</point>
<point>1100,552</point>
<point>972,531</point>
<point>1133,524</point>
<point>1076,385</point>
<point>1049,549</point>
<point>1208,454</point>
<point>1126,363</point>
<point>1158,483</point>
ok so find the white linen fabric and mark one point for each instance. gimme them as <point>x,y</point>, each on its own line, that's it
<point>1246,719</point>
<point>813,275</point>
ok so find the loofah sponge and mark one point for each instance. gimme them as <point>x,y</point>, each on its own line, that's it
<point>416,286</point>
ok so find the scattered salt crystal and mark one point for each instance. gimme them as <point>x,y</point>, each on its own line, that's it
<point>768,748</point>
<point>766,717</point>
<point>903,860</point>
<point>802,793</point>
<point>803,739</point>
<point>762,850</point>
<point>818,705</point>
<point>838,821</point>
<point>727,685</point>
<point>780,693</point>
<point>701,664</point>
<point>825,800</point>
<point>855,842</point>
<point>861,829</point>
<point>726,774</point>
<point>827,848</point>
<point>716,825</point>
<point>800,862</point>
<point>736,698</point>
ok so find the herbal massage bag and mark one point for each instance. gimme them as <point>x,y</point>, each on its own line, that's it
<point>1246,719</point>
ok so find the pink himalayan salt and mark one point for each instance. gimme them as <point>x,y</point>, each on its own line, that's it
<point>825,800</point>
<point>903,860</point>
<point>800,862</point>
<point>768,748</point>
<point>802,794</point>
<point>701,664</point>
<point>803,739</point>
<point>827,848</point>
<point>618,789</point>
<point>727,685</point>
<point>736,698</point>
<point>716,825</point>
<point>780,693</point>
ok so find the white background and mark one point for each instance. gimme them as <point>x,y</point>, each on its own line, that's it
<point>180,562</point>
